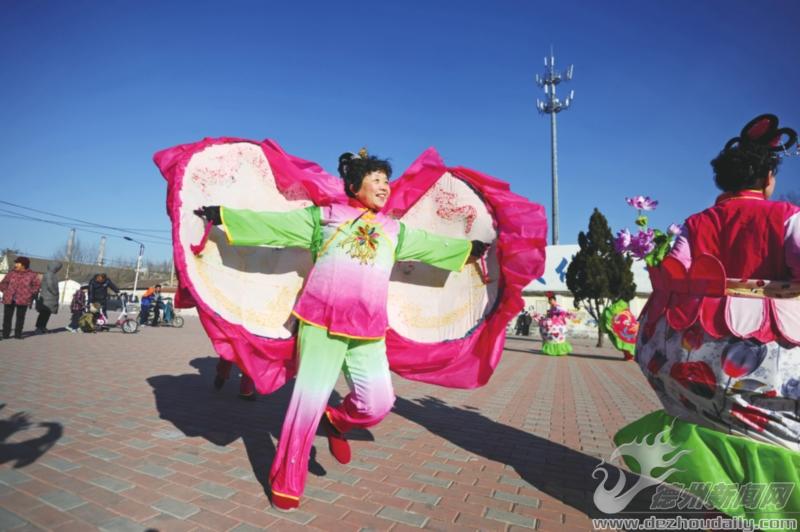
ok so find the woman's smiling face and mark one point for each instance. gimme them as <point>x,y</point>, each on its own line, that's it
<point>374,191</point>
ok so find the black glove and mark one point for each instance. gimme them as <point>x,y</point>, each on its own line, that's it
<point>210,213</point>
<point>478,248</point>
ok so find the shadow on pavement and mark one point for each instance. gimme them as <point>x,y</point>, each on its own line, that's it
<point>26,452</point>
<point>191,403</point>
<point>559,471</point>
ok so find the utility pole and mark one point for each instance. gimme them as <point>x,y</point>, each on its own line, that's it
<point>101,251</point>
<point>70,246</point>
<point>552,106</point>
<point>138,262</point>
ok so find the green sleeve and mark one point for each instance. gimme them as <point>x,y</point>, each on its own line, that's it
<point>440,251</point>
<point>244,227</point>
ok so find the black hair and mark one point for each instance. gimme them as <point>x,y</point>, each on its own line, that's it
<point>353,168</point>
<point>157,286</point>
<point>744,166</point>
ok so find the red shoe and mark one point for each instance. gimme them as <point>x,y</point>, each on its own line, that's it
<point>284,503</point>
<point>337,443</point>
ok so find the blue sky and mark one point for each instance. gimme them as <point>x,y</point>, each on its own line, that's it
<point>92,89</point>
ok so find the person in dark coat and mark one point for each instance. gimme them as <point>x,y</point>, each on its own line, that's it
<point>19,286</point>
<point>526,323</point>
<point>48,297</point>
<point>98,291</point>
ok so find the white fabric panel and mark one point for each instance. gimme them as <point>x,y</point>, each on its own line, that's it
<point>252,286</point>
<point>788,315</point>
<point>745,315</point>
<point>428,304</point>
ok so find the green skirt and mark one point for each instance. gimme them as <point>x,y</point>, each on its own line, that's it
<point>738,476</point>
<point>556,349</point>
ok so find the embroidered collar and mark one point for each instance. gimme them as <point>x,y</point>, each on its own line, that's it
<point>741,194</point>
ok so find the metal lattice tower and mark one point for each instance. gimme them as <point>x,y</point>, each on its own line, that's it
<point>551,106</point>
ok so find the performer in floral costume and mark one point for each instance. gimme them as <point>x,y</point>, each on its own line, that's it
<point>342,308</point>
<point>300,279</point>
<point>720,334</point>
<point>553,328</point>
<point>621,326</point>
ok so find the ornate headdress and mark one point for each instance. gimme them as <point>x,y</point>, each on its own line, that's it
<point>764,130</point>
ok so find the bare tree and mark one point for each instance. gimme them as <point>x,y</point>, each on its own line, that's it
<point>81,253</point>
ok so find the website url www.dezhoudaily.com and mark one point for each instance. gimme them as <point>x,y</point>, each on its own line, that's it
<point>688,523</point>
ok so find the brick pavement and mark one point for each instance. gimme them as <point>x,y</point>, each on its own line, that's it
<point>124,432</point>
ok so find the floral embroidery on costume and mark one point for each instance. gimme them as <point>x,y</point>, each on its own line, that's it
<point>362,244</point>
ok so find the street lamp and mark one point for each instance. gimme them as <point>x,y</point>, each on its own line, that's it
<point>138,262</point>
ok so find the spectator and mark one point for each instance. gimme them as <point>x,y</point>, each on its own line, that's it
<point>157,304</point>
<point>98,291</point>
<point>527,319</point>
<point>151,299</point>
<point>18,287</point>
<point>47,303</point>
<point>78,307</point>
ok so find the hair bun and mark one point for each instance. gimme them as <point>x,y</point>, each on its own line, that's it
<point>763,131</point>
<point>344,162</point>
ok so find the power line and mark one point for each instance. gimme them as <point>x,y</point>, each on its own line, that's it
<point>12,214</point>
<point>129,230</point>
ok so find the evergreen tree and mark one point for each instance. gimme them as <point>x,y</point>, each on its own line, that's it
<point>598,275</point>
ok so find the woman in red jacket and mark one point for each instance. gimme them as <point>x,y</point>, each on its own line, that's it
<point>720,338</point>
<point>19,286</point>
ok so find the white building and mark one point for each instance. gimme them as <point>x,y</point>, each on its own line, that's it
<point>554,279</point>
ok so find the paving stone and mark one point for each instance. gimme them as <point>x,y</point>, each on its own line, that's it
<point>436,466</point>
<point>92,514</point>
<point>402,516</point>
<point>98,432</point>
<point>391,444</point>
<point>217,448</point>
<point>10,520</point>
<point>518,482</point>
<point>533,502</point>
<point>295,516</point>
<point>360,464</point>
<point>344,478</point>
<point>154,470</point>
<point>177,509</point>
<point>128,424</point>
<point>375,453</point>
<point>244,527</point>
<point>136,443</point>
<point>188,458</point>
<point>12,477</point>
<point>121,524</point>
<point>321,494</point>
<point>58,464</point>
<point>433,481</point>
<point>112,484</point>
<point>103,454</point>
<point>168,434</point>
<point>417,496</point>
<point>510,518</point>
<point>241,473</point>
<point>452,456</point>
<point>215,490</point>
<point>61,500</point>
